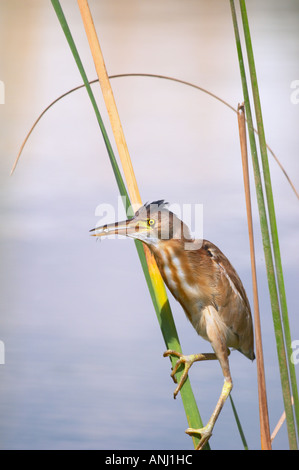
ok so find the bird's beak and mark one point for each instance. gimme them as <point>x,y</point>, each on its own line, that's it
<point>129,228</point>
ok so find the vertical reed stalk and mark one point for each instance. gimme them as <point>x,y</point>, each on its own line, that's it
<point>263,406</point>
<point>282,357</point>
<point>154,279</point>
<point>110,103</point>
<point>271,208</point>
<point>152,274</point>
<point>70,40</point>
<point>242,435</point>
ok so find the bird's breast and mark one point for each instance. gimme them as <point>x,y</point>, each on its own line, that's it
<point>177,275</point>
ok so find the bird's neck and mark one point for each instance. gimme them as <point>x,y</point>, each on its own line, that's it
<point>172,261</point>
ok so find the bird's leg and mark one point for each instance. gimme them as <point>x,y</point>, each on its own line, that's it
<point>206,432</point>
<point>219,345</point>
<point>187,360</point>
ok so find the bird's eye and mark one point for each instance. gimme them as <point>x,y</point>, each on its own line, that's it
<point>150,222</point>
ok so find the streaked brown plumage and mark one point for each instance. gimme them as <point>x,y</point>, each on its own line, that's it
<point>206,285</point>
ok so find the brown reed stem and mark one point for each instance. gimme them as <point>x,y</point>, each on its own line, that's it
<point>110,103</point>
<point>263,406</point>
<point>153,276</point>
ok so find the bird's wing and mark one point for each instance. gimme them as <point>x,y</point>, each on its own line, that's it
<point>228,270</point>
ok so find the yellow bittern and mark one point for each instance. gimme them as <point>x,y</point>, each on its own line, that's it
<point>206,285</point>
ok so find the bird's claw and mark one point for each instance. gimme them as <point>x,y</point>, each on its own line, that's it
<point>182,359</point>
<point>205,433</point>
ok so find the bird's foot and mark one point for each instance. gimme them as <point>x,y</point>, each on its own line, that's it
<point>205,433</point>
<point>187,361</point>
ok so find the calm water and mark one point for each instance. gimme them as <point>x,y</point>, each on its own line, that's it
<point>83,349</point>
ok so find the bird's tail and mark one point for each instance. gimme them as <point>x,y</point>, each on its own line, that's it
<point>249,354</point>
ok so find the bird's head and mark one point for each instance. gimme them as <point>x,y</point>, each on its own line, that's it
<point>151,224</point>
